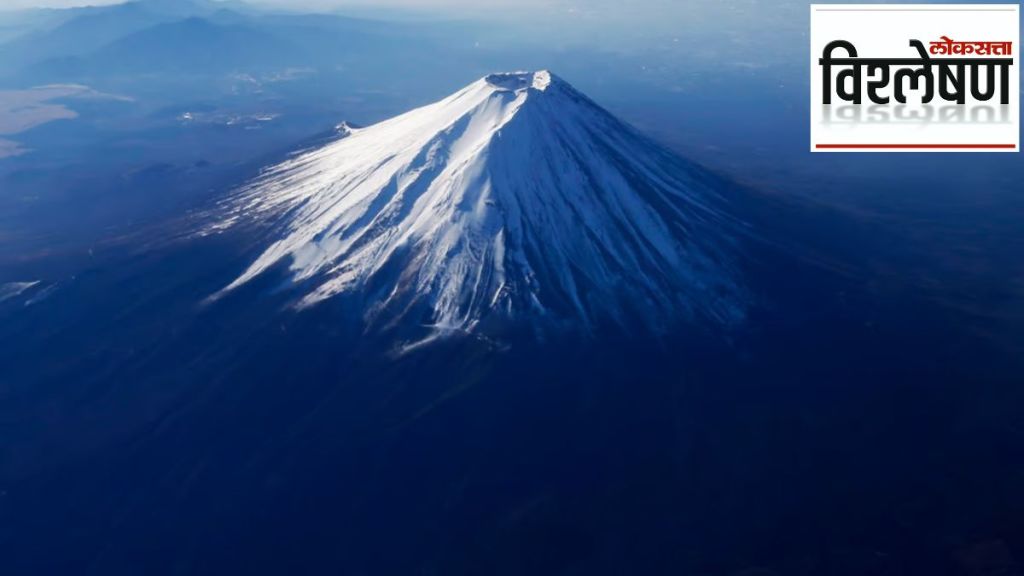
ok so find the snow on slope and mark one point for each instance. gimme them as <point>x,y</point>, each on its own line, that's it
<point>14,289</point>
<point>517,198</point>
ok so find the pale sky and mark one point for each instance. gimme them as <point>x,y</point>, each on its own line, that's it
<point>19,4</point>
<point>601,22</point>
<point>305,4</point>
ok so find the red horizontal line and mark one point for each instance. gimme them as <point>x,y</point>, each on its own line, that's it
<point>935,146</point>
<point>901,146</point>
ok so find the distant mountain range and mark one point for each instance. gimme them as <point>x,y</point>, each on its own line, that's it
<point>192,46</point>
<point>160,37</point>
<point>79,31</point>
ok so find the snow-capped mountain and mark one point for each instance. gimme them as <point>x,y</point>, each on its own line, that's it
<point>516,198</point>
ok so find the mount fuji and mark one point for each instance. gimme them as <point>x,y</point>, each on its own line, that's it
<point>516,199</point>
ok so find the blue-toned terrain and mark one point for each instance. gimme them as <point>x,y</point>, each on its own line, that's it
<point>844,399</point>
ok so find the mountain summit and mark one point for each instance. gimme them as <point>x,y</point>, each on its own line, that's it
<point>515,199</point>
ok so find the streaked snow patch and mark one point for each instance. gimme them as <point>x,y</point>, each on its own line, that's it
<point>14,289</point>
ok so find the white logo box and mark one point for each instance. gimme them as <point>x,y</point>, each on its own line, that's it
<point>884,31</point>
